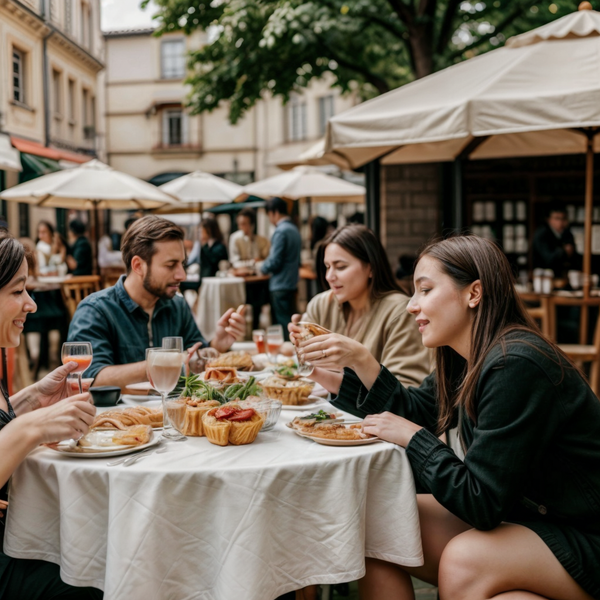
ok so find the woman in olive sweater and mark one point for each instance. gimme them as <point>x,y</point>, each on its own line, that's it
<point>519,517</point>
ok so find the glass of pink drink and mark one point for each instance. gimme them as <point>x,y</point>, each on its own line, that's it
<point>80,353</point>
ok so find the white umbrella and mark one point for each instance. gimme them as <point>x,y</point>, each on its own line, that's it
<point>198,188</point>
<point>315,156</point>
<point>92,185</point>
<point>9,156</point>
<point>538,95</point>
<point>307,182</point>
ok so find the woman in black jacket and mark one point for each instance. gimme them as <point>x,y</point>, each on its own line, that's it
<point>519,517</point>
<point>213,250</point>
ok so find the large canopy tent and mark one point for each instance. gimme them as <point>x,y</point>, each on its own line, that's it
<point>538,95</point>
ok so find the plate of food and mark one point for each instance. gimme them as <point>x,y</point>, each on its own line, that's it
<point>122,418</point>
<point>313,402</point>
<point>101,443</point>
<point>135,400</point>
<point>331,429</point>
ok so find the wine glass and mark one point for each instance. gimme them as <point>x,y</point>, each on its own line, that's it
<point>163,366</point>
<point>175,342</point>
<point>274,341</point>
<point>80,353</point>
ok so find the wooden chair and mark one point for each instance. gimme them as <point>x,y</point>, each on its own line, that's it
<point>75,289</point>
<point>582,353</point>
<point>110,275</point>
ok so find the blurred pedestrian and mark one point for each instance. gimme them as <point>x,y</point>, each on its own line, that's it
<point>80,256</point>
<point>283,263</point>
<point>212,248</point>
<point>244,244</point>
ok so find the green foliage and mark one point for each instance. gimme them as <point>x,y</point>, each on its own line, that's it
<point>371,46</point>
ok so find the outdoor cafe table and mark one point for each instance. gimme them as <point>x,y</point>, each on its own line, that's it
<point>216,523</point>
<point>217,294</point>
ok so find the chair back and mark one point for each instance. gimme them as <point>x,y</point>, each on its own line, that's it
<point>75,289</point>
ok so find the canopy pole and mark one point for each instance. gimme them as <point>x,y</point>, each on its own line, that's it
<point>589,199</point>
<point>373,196</point>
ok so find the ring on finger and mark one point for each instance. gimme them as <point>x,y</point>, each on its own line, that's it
<point>324,354</point>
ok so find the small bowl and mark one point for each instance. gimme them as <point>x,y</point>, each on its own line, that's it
<point>106,395</point>
<point>269,408</point>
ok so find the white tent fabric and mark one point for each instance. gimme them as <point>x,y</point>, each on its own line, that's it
<point>92,185</point>
<point>9,156</point>
<point>198,187</point>
<point>315,156</point>
<point>307,182</point>
<point>528,97</point>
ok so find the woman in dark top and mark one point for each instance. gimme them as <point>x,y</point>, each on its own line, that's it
<point>39,414</point>
<point>519,517</point>
<point>213,250</point>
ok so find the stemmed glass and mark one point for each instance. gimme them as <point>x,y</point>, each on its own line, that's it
<point>274,341</point>
<point>175,342</point>
<point>80,353</point>
<point>163,366</point>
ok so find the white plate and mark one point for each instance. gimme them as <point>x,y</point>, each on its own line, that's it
<point>134,400</point>
<point>140,387</point>
<point>102,451</point>
<point>327,442</point>
<point>316,403</point>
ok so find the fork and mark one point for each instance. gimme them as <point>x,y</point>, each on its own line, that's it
<point>120,461</point>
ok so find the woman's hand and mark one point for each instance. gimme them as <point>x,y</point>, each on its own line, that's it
<point>54,387</point>
<point>68,419</point>
<point>294,328</point>
<point>333,351</point>
<point>3,507</point>
<point>391,428</point>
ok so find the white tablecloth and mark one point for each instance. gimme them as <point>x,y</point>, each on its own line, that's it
<point>217,294</point>
<point>206,522</point>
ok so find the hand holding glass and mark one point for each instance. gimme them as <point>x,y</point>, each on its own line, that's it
<point>80,353</point>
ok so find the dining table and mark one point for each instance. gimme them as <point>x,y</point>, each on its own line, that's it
<point>207,522</point>
<point>217,295</point>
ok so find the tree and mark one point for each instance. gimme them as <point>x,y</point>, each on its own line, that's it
<point>372,46</point>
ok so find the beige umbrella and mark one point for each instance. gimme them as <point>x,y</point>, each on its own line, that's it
<point>90,186</point>
<point>307,182</point>
<point>315,156</point>
<point>538,95</point>
<point>9,156</point>
<point>198,188</point>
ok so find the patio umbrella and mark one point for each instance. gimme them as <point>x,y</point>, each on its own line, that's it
<point>92,185</point>
<point>197,188</point>
<point>315,156</point>
<point>307,182</point>
<point>538,95</point>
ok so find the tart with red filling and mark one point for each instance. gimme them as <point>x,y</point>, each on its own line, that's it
<point>232,423</point>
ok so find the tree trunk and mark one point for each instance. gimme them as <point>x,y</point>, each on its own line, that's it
<point>421,43</point>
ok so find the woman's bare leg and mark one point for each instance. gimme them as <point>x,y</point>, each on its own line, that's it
<point>392,582</point>
<point>510,562</point>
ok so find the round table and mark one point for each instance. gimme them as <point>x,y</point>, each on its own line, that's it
<point>217,295</point>
<point>203,521</point>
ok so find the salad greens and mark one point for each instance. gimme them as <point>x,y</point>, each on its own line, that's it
<point>193,386</point>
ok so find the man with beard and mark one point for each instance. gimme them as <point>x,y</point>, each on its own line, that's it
<point>142,308</point>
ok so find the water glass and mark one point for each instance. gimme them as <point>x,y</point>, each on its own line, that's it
<point>258,337</point>
<point>163,366</point>
<point>274,341</point>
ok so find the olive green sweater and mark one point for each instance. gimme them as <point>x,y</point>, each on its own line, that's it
<point>532,453</point>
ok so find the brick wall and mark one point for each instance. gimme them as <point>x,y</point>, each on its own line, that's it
<point>410,208</point>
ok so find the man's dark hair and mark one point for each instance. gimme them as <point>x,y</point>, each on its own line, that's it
<point>130,222</point>
<point>277,205</point>
<point>555,207</point>
<point>77,227</point>
<point>139,239</point>
<point>248,212</point>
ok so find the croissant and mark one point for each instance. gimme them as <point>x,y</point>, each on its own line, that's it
<point>240,360</point>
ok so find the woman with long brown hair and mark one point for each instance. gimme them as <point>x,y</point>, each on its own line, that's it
<point>519,517</point>
<point>365,309</point>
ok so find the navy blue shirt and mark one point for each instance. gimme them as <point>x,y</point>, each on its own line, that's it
<point>283,262</point>
<point>120,330</point>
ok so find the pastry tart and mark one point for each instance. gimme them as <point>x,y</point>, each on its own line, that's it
<point>221,374</point>
<point>122,418</point>
<point>242,361</point>
<point>232,424</point>
<point>288,392</point>
<point>194,411</point>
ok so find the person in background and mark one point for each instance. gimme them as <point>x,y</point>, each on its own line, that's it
<point>364,309</point>
<point>519,516</point>
<point>283,263</point>
<point>3,222</point>
<point>318,232</point>
<point>357,218</point>
<point>79,259</point>
<point>244,244</point>
<point>39,414</point>
<point>554,245</point>
<point>144,307</point>
<point>51,250</point>
<point>212,248</point>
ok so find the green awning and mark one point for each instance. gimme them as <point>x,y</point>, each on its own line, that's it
<point>36,166</point>
<point>235,207</point>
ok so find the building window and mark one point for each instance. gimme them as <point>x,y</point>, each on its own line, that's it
<point>326,111</point>
<point>172,59</point>
<point>18,74</point>
<point>85,25</point>
<point>69,16</point>
<point>174,129</point>
<point>296,120</point>
<point>56,93</point>
<point>71,108</point>
<point>85,112</point>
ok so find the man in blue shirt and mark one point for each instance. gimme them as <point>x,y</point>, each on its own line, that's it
<point>283,263</point>
<point>142,308</point>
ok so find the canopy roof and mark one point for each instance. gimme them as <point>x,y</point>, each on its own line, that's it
<point>528,98</point>
<point>199,187</point>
